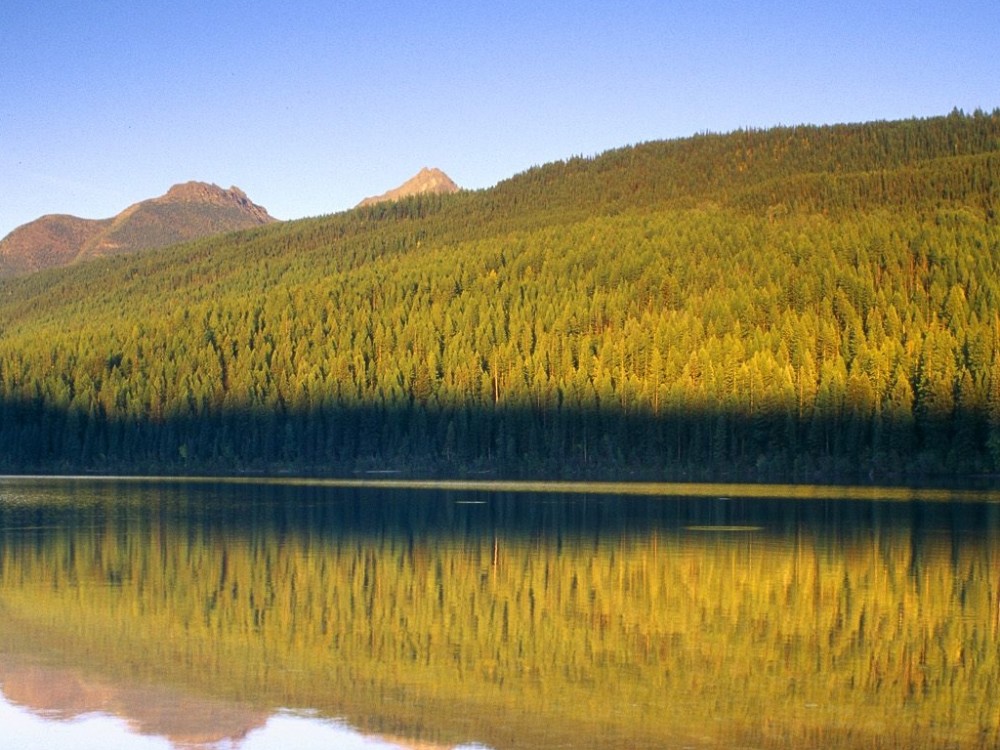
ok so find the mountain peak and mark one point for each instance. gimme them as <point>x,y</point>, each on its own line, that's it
<point>427,180</point>
<point>187,211</point>
<point>213,195</point>
<point>194,190</point>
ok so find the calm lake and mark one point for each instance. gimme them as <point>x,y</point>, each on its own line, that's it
<point>146,614</point>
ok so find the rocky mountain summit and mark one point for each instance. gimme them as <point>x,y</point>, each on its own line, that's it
<point>202,192</point>
<point>425,181</point>
<point>188,211</point>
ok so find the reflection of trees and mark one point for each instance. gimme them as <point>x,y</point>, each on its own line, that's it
<point>833,632</point>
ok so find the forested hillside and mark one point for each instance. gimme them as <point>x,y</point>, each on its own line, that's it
<point>810,302</point>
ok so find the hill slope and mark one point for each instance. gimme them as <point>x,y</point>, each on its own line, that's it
<point>813,302</point>
<point>187,211</point>
<point>47,242</point>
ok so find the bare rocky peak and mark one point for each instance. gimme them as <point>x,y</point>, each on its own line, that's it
<point>427,180</point>
<point>198,191</point>
<point>186,212</point>
<point>210,194</point>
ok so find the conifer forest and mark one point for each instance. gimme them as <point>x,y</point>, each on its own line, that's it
<point>795,303</point>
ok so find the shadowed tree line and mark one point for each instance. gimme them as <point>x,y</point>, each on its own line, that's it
<point>517,442</point>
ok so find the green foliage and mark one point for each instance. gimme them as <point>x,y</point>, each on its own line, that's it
<point>796,302</point>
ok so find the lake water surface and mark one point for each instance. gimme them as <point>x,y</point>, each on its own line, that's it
<point>139,614</point>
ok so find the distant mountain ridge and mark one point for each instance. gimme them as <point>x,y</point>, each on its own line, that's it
<point>427,180</point>
<point>187,211</point>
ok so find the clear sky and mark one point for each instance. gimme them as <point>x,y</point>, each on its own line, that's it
<point>311,106</point>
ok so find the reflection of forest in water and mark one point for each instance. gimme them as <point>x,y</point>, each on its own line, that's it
<point>523,620</point>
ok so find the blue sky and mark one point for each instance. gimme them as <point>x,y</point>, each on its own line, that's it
<point>311,106</point>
